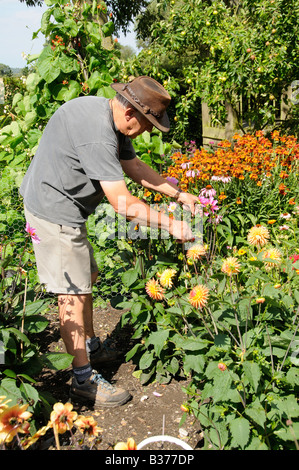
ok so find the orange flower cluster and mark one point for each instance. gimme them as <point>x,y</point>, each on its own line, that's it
<point>14,420</point>
<point>58,41</point>
<point>254,155</point>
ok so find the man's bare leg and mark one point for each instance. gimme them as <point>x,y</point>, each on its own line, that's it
<point>76,323</point>
<point>72,325</point>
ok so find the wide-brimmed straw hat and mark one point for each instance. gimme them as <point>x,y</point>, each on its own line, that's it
<point>149,97</point>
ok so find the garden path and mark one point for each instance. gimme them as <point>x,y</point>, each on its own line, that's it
<point>155,409</point>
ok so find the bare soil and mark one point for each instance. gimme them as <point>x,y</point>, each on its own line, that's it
<point>154,409</point>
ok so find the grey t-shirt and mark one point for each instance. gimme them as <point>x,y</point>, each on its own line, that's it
<point>80,147</point>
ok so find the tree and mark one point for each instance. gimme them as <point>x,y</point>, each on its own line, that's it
<point>243,52</point>
<point>32,3</point>
<point>5,70</point>
<point>123,12</point>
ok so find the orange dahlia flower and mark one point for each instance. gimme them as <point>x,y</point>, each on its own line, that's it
<point>12,421</point>
<point>199,295</point>
<point>88,425</point>
<point>129,445</point>
<point>63,416</point>
<point>231,266</point>
<point>154,290</point>
<point>196,252</point>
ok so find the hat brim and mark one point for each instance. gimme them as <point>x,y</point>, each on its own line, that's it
<point>162,123</point>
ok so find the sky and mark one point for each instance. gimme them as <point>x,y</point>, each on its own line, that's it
<point>17,25</point>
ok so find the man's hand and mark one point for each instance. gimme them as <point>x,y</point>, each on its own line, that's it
<point>133,209</point>
<point>190,202</point>
<point>181,231</point>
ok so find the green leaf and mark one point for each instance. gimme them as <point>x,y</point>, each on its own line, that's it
<point>30,118</point>
<point>108,28</point>
<point>34,323</point>
<point>106,92</point>
<point>173,366</point>
<point>10,373</point>
<point>221,285</point>
<point>10,390</point>
<point>129,277</point>
<point>57,361</point>
<point>240,429</point>
<point>29,392</point>
<point>252,373</point>
<point>146,360</point>
<point>18,334</point>
<point>133,351</point>
<point>35,307</point>
<point>17,97</point>
<point>157,339</point>
<point>288,434</point>
<point>45,20</point>
<point>222,342</point>
<point>94,32</point>
<point>71,27</point>
<point>68,64</point>
<point>222,386</point>
<point>146,376</point>
<point>190,344</point>
<point>256,412</point>
<point>220,435</point>
<point>157,145</point>
<point>58,15</point>
<point>48,65</point>
<point>270,291</point>
<point>292,376</point>
<point>287,408</point>
<point>194,362</point>
<point>98,80</point>
<point>73,91</point>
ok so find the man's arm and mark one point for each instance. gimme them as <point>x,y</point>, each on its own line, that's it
<point>143,174</point>
<point>129,206</point>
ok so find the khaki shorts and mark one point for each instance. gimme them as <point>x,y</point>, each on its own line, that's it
<point>64,257</point>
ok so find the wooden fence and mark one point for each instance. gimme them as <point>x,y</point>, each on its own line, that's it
<point>213,133</point>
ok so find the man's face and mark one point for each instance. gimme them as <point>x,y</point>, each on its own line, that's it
<point>137,125</point>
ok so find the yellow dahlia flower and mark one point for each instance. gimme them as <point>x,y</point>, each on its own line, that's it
<point>166,277</point>
<point>231,266</point>
<point>154,290</point>
<point>272,253</point>
<point>258,236</point>
<point>196,252</point>
<point>199,295</point>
